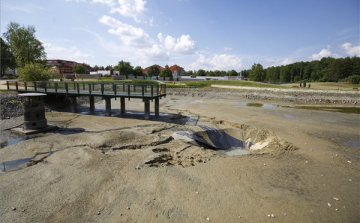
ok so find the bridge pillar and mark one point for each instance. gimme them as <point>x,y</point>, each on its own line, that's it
<point>108,106</point>
<point>73,104</point>
<point>122,105</point>
<point>147,109</point>
<point>157,107</point>
<point>92,103</point>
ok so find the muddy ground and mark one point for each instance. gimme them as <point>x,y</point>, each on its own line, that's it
<point>299,165</point>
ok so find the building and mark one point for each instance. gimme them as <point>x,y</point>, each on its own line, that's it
<point>66,66</point>
<point>176,70</point>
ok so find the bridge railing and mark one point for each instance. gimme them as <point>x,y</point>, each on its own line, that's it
<point>89,88</point>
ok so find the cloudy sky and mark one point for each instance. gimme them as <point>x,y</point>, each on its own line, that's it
<point>195,34</point>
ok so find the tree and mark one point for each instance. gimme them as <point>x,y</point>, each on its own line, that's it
<point>96,67</point>
<point>138,71</point>
<point>7,58</point>
<point>201,72</point>
<point>232,73</point>
<point>166,72</point>
<point>124,68</point>
<point>34,72</point>
<point>153,71</point>
<point>257,73</point>
<point>24,45</point>
<point>108,67</point>
<point>79,69</point>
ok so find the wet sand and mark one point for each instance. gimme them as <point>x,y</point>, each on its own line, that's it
<point>126,169</point>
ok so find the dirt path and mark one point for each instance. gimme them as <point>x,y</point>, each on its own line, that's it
<point>114,169</point>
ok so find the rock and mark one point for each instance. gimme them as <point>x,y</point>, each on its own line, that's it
<point>13,208</point>
<point>98,213</point>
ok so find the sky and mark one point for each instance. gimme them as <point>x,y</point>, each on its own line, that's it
<point>195,34</point>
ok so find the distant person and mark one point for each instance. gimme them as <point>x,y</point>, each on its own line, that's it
<point>309,85</point>
<point>304,84</point>
<point>300,84</point>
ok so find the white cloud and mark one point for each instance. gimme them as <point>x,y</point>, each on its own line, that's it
<point>130,35</point>
<point>184,44</point>
<point>321,54</point>
<point>110,3</point>
<point>350,49</point>
<point>227,48</point>
<point>278,61</point>
<point>130,8</point>
<point>58,52</point>
<point>217,62</point>
<point>153,54</point>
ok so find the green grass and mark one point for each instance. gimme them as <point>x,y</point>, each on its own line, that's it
<point>327,86</point>
<point>208,83</point>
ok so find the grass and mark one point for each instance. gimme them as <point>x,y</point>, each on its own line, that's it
<point>327,86</point>
<point>208,83</point>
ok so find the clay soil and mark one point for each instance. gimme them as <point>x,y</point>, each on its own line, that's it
<point>127,169</point>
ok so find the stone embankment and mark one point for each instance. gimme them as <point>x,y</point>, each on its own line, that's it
<point>296,95</point>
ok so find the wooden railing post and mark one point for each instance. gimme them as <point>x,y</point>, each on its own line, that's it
<point>25,83</point>
<point>8,85</point>
<point>56,87</point>
<point>152,90</point>
<point>45,87</point>
<point>102,89</point>
<point>89,88</point>
<point>16,86</point>
<point>143,90</point>
<point>129,89</point>
<point>35,86</point>
<point>78,88</point>
<point>114,89</point>
<point>66,87</point>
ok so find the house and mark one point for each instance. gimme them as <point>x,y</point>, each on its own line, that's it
<point>176,70</point>
<point>66,66</point>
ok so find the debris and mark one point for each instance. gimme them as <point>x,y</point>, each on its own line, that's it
<point>284,213</point>
<point>329,204</point>
<point>349,161</point>
<point>196,192</point>
<point>98,213</point>
<point>350,180</point>
<point>13,208</point>
<point>306,161</point>
<point>137,168</point>
<point>207,218</point>
<point>239,216</point>
<point>271,215</point>
<point>264,164</point>
<point>336,154</point>
<point>336,209</point>
<point>336,199</point>
<point>128,208</point>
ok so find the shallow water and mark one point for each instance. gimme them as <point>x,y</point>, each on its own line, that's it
<point>12,141</point>
<point>19,164</point>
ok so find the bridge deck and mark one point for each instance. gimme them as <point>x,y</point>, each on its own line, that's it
<point>77,88</point>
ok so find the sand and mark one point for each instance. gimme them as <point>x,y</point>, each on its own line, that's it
<point>302,166</point>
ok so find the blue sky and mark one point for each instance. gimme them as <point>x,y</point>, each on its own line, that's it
<point>195,34</point>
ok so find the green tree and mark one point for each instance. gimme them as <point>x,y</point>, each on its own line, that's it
<point>96,67</point>
<point>166,72</point>
<point>34,72</point>
<point>79,69</point>
<point>153,71</point>
<point>232,73</point>
<point>24,45</point>
<point>7,58</point>
<point>257,73</point>
<point>138,71</point>
<point>124,68</point>
<point>201,72</point>
<point>108,67</point>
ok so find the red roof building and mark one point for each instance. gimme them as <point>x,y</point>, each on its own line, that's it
<point>66,66</point>
<point>176,70</point>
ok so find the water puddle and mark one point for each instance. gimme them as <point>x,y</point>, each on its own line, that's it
<point>288,116</point>
<point>19,164</point>
<point>355,143</point>
<point>12,141</point>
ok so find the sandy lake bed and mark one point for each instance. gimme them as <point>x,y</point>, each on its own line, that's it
<point>292,164</point>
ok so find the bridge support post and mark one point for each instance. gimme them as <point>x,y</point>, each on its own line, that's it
<point>122,105</point>
<point>108,106</point>
<point>147,109</point>
<point>73,104</point>
<point>157,107</point>
<point>92,103</point>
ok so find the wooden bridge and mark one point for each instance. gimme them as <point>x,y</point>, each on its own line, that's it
<point>74,89</point>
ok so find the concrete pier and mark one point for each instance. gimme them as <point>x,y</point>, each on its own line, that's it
<point>108,106</point>
<point>92,103</point>
<point>157,107</point>
<point>73,104</point>
<point>147,109</point>
<point>122,105</point>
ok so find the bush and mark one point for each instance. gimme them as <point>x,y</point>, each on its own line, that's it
<point>34,72</point>
<point>355,79</point>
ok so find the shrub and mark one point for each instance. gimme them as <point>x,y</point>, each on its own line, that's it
<point>34,72</point>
